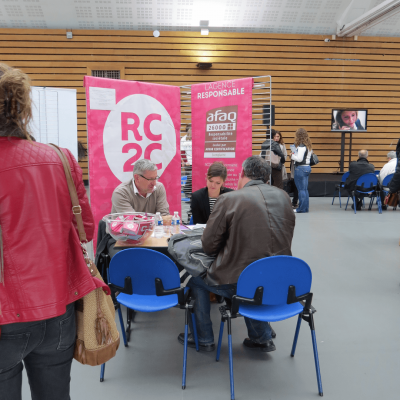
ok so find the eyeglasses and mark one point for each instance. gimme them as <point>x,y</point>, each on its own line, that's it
<point>150,179</point>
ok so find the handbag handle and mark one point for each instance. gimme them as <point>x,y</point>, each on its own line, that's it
<point>76,208</point>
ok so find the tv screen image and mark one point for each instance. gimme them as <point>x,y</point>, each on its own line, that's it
<point>349,119</point>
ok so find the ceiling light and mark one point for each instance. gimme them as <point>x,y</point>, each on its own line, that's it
<point>369,19</point>
<point>205,32</point>
<point>156,33</point>
<point>69,35</point>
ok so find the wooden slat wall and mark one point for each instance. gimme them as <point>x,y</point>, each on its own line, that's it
<point>309,76</point>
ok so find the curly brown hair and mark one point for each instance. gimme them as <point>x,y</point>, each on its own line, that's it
<point>15,102</point>
<point>302,138</point>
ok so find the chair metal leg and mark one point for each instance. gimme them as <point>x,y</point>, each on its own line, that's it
<point>231,358</point>
<point>185,346</point>
<point>121,321</point>
<point>221,331</point>
<point>354,204</point>
<point>296,335</point>
<point>334,195</point>
<point>340,199</point>
<point>196,340</point>
<point>103,367</point>
<point>130,316</point>
<point>314,341</point>
<point>348,198</point>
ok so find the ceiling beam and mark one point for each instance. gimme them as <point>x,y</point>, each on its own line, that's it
<point>369,19</point>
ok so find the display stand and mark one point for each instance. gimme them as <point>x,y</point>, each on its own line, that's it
<point>342,148</point>
<point>262,96</point>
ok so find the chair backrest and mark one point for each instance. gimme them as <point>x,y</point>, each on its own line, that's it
<point>345,176</point>
<point>143,266</point>
<point>376,172</point>
<point>191,220</point>
<point>387,180</point>
<point>367,181</point>
<point>275,274</point>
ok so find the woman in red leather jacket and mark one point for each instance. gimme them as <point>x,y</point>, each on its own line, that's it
<point>42,271</point>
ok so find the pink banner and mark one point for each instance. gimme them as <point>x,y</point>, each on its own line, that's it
<point>128,121</point>
<point>221,128</point>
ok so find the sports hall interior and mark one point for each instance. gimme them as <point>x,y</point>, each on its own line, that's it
<point>354,258</point>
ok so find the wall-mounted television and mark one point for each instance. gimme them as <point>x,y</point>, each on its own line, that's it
<point>349,120</point>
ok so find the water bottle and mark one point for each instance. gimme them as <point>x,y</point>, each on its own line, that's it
<point>175,224</point>
<point>159,229</point>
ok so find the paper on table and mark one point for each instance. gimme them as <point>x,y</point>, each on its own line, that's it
<point>196,226</point>
<point>293,148</point>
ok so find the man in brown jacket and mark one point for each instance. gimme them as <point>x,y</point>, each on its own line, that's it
<point>254,222</point>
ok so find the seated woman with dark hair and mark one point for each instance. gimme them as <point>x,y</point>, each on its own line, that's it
<point>203,200</point>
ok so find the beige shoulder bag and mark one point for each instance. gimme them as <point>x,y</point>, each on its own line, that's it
<point>97,335</point>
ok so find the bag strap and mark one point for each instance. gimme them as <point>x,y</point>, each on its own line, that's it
<point>76,208</point>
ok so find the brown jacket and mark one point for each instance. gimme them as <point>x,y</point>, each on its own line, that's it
<point>245,227</point>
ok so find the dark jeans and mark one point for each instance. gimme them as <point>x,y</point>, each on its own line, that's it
<point>301,174</point>
<point>46,348</point>
<point>258,331</point>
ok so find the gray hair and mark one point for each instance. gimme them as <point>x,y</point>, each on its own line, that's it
<point>363,154</point>
<point>142,166</point>
<point>256,168</point>
<point>391,154</point>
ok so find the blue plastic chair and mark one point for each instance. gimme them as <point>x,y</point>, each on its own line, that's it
<point>376,172</point>
<point>385,185</point>
<point>191,220</point>
<point>272,289</point>
<point>366,186</point>
<point>340,186</point>
<point>148,281</point>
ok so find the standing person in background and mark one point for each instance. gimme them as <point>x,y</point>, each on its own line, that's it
<point>301,158</point>
<point>203,200</point>
<point>186,159</point>
<point>42,269</point>
<point>278,138</point>
<point>394,185</point>
<point>295,198</point>
<point>275,155</point>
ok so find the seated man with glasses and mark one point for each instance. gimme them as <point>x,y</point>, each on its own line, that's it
<point>142,193</point>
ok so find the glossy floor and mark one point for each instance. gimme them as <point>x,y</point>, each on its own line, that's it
<point>356,275</point>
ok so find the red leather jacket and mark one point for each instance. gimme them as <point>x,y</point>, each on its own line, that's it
<point>43,265</point>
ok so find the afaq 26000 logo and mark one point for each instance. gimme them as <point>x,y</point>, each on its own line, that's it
<point>138,127</point>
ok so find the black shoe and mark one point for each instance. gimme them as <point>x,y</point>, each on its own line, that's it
<point>358,208</point>
<point>220,299</point>
<point>265,347</point>
<point>273,333</point>
<point>192,343</point>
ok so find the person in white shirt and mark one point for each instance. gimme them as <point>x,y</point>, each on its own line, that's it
<point>301,157</point>
<point>389,167</point>
<point>186,147</point>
